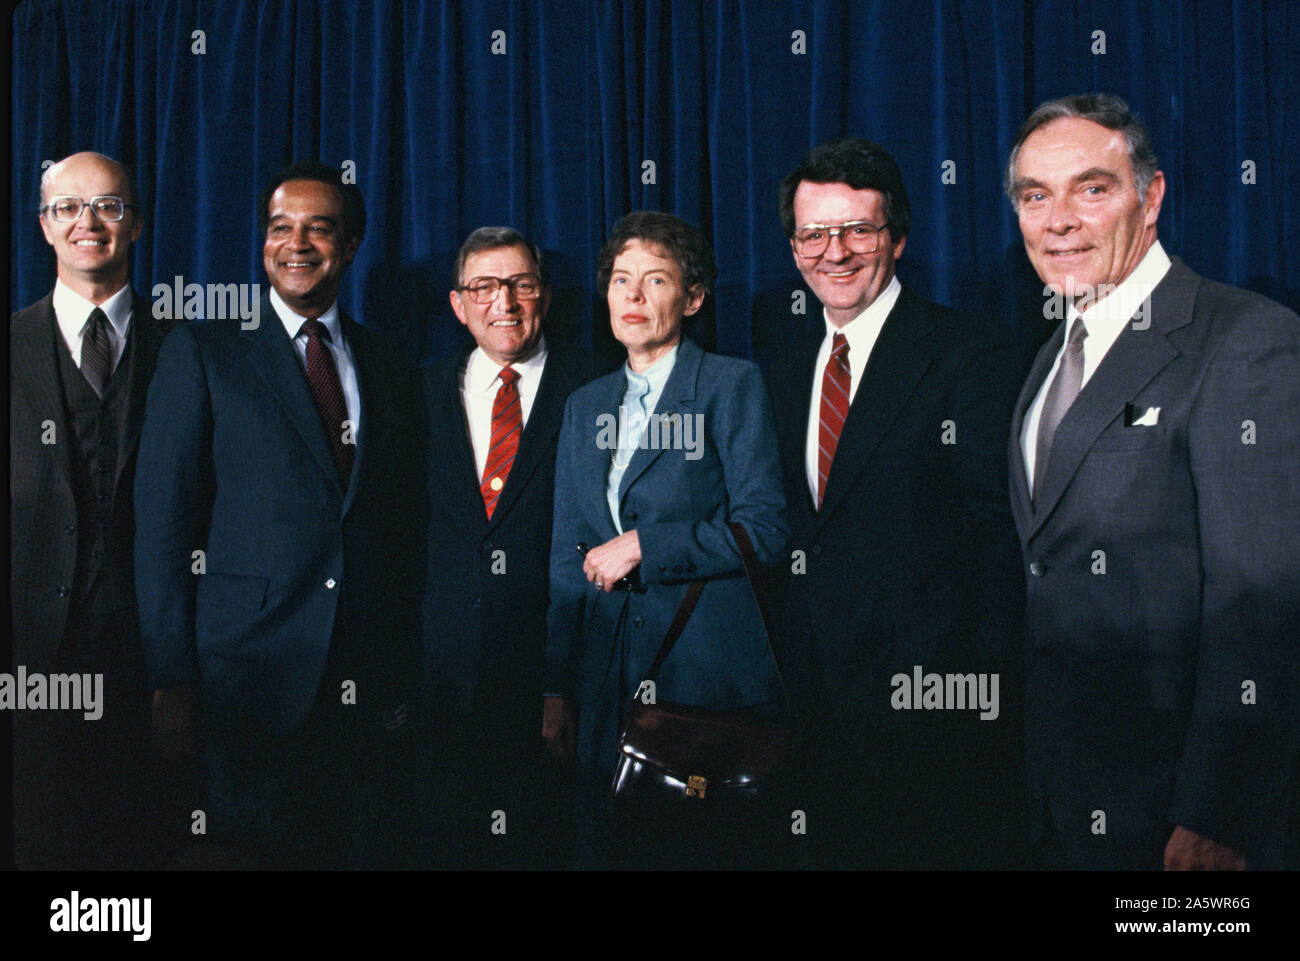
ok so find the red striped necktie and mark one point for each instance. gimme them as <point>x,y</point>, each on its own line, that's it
<point>507,425</point>
<point>323,377</point>
<point>834,410</point>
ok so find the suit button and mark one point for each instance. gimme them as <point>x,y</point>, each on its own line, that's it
<point>1038,568</point>
<point>638,621</point>
<point>631,516</point>
<point>63,590</point>
<point>70,529</point>
<point>487,547</point>
<point>96,555</point>
<point>816,549</point>
<point>330,584</point>
<point>103,468</point>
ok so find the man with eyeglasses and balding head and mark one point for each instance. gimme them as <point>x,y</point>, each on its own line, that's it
<point>81,358</point>
<point>494,412</point>
<point>891,418</point>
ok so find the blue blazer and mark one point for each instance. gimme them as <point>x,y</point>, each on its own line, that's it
<point>600,645</point>
<point>234,462</point>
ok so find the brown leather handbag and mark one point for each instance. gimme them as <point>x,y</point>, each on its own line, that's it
<point>678,755</point>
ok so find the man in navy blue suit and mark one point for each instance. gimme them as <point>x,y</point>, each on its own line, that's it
<point>890,419</point>
<point>494,413</point>
<point>277,542</point>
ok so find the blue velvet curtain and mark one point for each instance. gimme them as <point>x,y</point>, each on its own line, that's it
<point>547,115</point>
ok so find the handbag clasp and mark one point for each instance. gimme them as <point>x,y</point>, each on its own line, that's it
<point>696,786</point>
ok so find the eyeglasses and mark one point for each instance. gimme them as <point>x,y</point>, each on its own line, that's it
<point>858,236</point>
<point>68,209</point>
<point>483,290</point>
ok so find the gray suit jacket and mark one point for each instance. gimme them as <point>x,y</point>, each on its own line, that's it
<point>1163,572</point>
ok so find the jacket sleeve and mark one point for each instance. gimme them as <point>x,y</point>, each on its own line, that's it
<point>568,585</point>
<point>174,491</point>
<point>1239,757</point>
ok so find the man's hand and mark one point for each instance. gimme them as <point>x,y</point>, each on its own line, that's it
<point>609,563</point>
<point>559,726</point>
<point>1188,851</point>
<point>173,723</point>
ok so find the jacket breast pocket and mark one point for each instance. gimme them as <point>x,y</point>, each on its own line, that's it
<point>1121,438</point>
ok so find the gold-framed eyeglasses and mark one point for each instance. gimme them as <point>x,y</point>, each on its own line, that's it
<point>858,236</point>
<point>67,209</point>
<point>483,290</point>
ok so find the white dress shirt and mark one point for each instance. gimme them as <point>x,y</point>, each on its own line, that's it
<point>641,393</point>
<point>338,347</point>
<point>479,382</point>
<point>72,311</point>
<point>861,332</point>
<point>1104,320</point>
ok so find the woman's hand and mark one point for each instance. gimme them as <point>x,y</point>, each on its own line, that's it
<point>609,563</point>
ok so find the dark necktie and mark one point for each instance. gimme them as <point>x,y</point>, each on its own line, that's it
<point>1064,389</point>
<point>326,389</point>
<point>507,423</point>
<point>834,410</point>
<point>97,353</point>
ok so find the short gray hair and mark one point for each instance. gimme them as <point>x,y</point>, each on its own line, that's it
<point>1105,109</point>
<point>494,238</point>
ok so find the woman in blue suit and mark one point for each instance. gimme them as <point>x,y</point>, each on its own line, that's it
<point>654,461</point>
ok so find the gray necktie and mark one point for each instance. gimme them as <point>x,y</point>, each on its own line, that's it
<point>1060,395</point>
<point>97,353</point>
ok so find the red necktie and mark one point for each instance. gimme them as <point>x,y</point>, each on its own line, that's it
<point>835,408</point>
<point>507,423</point>
<point>325,388</point>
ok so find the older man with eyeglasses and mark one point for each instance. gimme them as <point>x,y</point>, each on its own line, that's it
<point>85,789</point>
<point>494,412</point>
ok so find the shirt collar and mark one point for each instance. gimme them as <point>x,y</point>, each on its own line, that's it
<point>481,371</point>
<point>1112,312</point>
<point>861,332</point>
<point>293,322</point>
<point>655,376</point>
<point>72,311</point>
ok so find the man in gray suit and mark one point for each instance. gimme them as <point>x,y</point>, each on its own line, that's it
<point>1155,482</point>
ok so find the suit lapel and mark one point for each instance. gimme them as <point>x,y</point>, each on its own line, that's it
<point>1019,477</point>
<point>448,422</point>
<point>273,357</point>
<point>1130,364</point>
<point>34,368</point>
<point>898,361</point>
<point>677,397</point>
<point>794,419</point>
<point>144,339</point>
<point>370,411</point>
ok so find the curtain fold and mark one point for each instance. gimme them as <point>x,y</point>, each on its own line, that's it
<point>547,116</point>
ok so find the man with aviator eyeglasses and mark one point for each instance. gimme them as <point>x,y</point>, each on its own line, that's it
<point>86,787</point>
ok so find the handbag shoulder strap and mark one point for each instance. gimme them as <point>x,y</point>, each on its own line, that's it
<point>692,597</point>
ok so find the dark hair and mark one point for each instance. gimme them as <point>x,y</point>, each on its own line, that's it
<point>354,207</point>
<point>678,239</point>
<point>862,165</point>
<point>494,238</point>
<point>1105,109</point>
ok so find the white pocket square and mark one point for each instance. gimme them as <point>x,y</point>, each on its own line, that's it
<point>1150,417</point>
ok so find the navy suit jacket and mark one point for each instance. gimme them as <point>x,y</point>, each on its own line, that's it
<point>911,561</point>
<point>234,462</point>
<point>1163,570</point>
<point>600,645</point>
<point>484,606</point>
